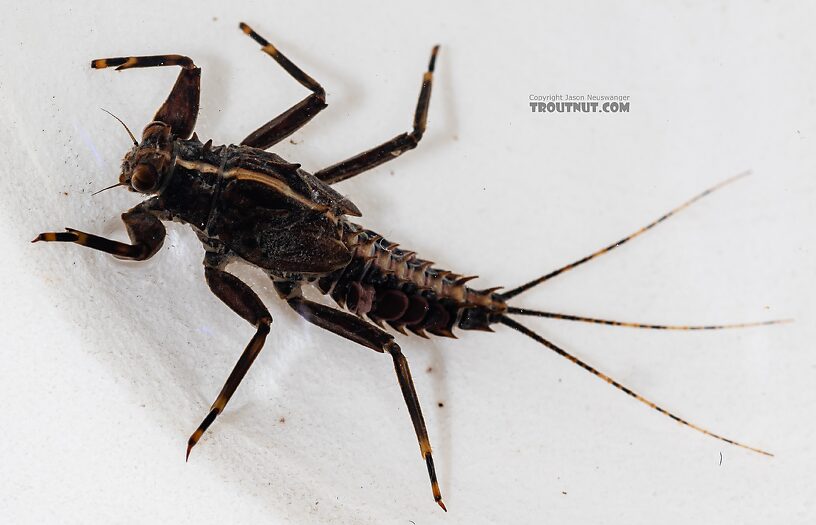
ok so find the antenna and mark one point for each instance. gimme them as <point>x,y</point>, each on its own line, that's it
<point>135,142</point>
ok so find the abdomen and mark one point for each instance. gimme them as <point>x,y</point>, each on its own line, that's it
<point>387,284</point>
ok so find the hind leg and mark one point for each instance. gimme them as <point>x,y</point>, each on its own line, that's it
<point>393,148</point>
<point>293,118</point>
<point>355,329</point>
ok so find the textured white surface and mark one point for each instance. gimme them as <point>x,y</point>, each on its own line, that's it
<point>108,366</point>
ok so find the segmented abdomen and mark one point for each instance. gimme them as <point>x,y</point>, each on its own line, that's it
<point>387,284</point>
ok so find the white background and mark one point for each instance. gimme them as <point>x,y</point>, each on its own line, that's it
<point>108,366</point>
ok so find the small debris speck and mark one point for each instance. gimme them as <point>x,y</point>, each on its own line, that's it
<point>282,420</point>
<point>440,404</point>
<point>429,370</point>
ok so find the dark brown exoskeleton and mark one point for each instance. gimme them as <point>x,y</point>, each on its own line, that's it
<point>248,204</point>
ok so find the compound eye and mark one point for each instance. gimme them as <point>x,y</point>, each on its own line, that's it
<point>144,178</point>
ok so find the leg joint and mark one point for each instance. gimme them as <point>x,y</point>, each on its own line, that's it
<point>320,93</point>
<point>288,291</point>
<point>392,348</point>
<point>264,323</point>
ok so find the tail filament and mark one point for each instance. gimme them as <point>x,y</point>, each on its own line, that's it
<point>563,353</point>
<point>568,317</point>
<point>523,288</point>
